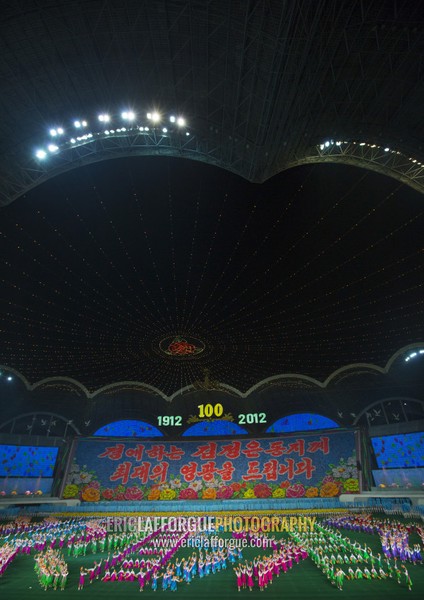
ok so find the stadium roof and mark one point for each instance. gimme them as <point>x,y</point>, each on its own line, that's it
<point>263,84</point>
<point>155,269</point>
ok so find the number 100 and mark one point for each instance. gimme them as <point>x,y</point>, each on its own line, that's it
<point>209,410</point>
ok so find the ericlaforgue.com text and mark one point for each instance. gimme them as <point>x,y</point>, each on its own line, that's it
<point>214,542</point>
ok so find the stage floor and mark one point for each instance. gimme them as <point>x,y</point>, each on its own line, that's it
<point>303,582</point>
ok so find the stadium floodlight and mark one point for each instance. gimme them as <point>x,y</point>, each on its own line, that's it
<point>53,132</point>
<point>84,123</point>
<point>326,144</point>
<point>60,130</point>
<point>41,154</point>
<point>104,118</point>
<point>73,140</point>
<point>181,122</point>
<point>77,124</point>
<point>172,119</point>
<point>128,115</point>
<point>155,117</point>
<point>187,133</point>
<point>386,149</point>
<point>10,378</point>
<point>53,148</point>
<point>165,130</point>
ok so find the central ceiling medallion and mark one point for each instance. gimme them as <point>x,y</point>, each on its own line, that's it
<point>181,346</point>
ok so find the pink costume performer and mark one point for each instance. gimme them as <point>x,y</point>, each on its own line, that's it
<point>261,582</point>
<point>81,579</point>
<point>250,578</point>
<point>239,578</point>
<point>141,582</point>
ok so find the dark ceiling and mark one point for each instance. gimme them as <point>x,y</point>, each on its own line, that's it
<point>262,83</point>
<point>317,268</point>
<point>262,269</point>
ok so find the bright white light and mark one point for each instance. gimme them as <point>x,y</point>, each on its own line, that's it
<point>146,129</point>
<point>187,133</point>
<point>60,131</point>
<point>327,144</point>
<point>77,124</point>
<point>84,123</point>
<point>41,154</point>
<point>155,116</point>
<point>141,128</point>
<point>321,147</point>
<point>172,119</point>
<point>181,122</point>
<point>53,132</point>
<point>53,147</point>
<point>362,144</point>
<point>414,354</point>
<point>73,140</point>
<point>107,132</point>
<point>104,118</point>
<point>9,378</point>
<point>128,115</point>
<point>165,130</point>
<point>386,149</point>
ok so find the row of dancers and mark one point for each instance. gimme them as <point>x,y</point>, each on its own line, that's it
<point>51,569</point>
<point>394,535</point>
<point>262,570</point>
<point>7,553</point>
<point>324,541</point>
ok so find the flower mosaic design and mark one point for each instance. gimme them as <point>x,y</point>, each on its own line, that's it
<point>339,478</point>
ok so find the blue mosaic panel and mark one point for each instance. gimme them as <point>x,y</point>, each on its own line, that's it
<point>205,428</point>
<point>301,422</point>
<point>27,461</point>
<point>399,451</point>
<point>128,428</point>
